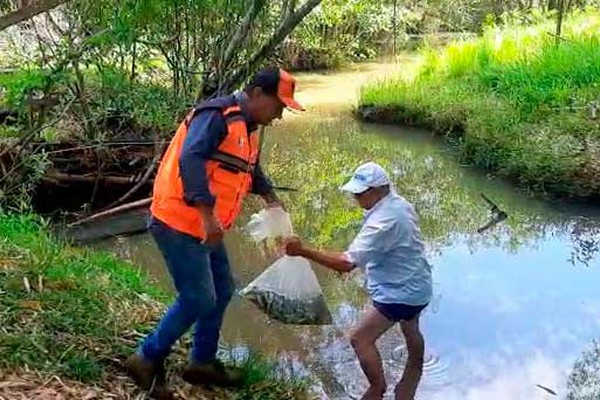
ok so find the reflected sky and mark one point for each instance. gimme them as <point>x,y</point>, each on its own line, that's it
<point>501,323</point>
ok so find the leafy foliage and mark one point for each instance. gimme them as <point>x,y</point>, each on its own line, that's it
<point>519,104</point>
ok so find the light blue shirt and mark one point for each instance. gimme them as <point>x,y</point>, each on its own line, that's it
<point>390,250</point>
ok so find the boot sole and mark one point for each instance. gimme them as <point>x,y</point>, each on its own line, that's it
<point>141,382</point>
<point>209,381</point>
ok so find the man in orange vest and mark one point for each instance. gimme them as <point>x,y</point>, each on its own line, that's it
<point>211,165</point>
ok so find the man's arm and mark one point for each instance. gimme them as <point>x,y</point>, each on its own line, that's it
<point>369,244</point>
<point>203,138</point>
<point>262,186</point>
<point>204,134</point>
<point>333,260</point>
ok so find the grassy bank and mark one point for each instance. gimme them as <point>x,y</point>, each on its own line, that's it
<point>513,101</point>
<point>70,316</point>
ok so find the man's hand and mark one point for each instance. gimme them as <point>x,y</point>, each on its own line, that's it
<point>272,201</point>
<point>332,260</point>
<point>294,246</point>
<point>213,230</point>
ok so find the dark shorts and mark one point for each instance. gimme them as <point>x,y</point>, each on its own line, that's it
<point>398,312</point>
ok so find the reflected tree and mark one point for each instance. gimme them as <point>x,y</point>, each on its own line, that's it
<point>449,203</point>
<point>585,236</point>
<point>584,381</point>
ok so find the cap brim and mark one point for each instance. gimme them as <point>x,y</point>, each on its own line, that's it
<point>354,187</point>
<point>291,103</point>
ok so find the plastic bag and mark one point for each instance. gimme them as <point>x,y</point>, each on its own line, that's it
<point>289,291</point>
<point>270,223</point>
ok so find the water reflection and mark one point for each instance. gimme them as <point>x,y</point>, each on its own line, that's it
<point>585,236</point>
<point>584,381</point>
<point>503,323</point>
<point>513,306</point>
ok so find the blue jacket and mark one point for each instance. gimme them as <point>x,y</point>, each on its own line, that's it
<point>205,133</point>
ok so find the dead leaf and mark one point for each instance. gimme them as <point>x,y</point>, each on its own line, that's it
<point>61,285</point>
<point>31,304</point>
<point>8,263</point>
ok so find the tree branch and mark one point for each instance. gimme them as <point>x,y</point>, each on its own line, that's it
<point>28,12</point>
<point>283,30</point>
<point>242,31</point>
<point>288,8</point>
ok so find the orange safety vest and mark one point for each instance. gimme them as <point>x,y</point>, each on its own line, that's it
<point>229,173</point>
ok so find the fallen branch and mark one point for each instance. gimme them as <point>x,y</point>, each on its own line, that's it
<point>72,178</point>
<point>144,178</point>
<point>103,145</point>
<point>132,206</point>
<point>113,211</point>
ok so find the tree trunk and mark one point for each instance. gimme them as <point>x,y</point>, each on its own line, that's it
<point>28,11</point>
<point>241,32</point>
<point>559,20</point>
<point>237,76</point>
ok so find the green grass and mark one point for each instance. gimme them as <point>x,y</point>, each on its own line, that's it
<point>54,302</point>
<point>512,101</point>
<point>265,380</point>
<point>77,313</point>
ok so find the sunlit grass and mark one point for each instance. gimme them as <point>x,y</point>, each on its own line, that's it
<point>519,99</point>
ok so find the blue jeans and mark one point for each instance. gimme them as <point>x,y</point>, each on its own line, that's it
<point>204,283</point>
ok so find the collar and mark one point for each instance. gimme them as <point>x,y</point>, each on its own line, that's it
<point>242,99</point>
<point>379,204</point>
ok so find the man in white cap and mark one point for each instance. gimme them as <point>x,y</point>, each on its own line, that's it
<point>390,250</point>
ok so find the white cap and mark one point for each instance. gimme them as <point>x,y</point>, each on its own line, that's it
<point>368,175</point>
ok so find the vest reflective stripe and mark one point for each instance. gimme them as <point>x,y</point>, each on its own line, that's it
<point>229,173</point>
<point>232,161</point>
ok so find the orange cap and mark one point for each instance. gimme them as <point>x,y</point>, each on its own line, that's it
<point>286,89</point>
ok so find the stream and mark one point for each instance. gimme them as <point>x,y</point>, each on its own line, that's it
<point>513,307</point>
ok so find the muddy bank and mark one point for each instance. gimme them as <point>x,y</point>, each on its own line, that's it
<point>71,316</point>
<point>406,117</point>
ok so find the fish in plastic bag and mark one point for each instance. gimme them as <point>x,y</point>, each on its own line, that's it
<point>289,291</point>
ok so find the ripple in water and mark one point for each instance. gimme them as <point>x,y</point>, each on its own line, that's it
<point>435,370</point>
<point>342,378</point>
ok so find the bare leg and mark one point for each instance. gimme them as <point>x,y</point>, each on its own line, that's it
<point>406,389</point>
<point>363,337</point>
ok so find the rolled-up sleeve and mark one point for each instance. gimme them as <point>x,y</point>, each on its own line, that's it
<point>370,243</point>
<point>261,184</point>
<point>203,138</point>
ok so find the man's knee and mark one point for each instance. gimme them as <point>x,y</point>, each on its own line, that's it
<point>358,340</point>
